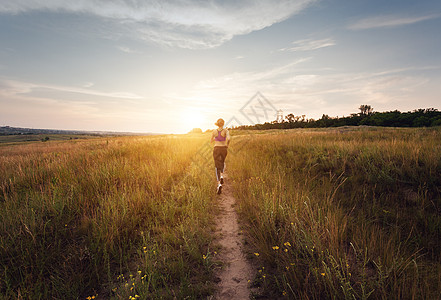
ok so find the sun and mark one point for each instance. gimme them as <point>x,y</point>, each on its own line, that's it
<point>192,118</point>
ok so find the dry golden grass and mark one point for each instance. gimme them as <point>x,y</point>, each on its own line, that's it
<point>343,213</point>
<point>86,217</point>
<point>336,213</point>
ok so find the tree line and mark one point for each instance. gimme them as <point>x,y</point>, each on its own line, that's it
<point>427,117</point>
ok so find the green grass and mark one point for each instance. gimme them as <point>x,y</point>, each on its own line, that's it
<point>118,217</point>
<point>341,213</point>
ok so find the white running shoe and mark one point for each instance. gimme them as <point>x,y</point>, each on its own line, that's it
<point>219,189</point>
<point>222,180</point>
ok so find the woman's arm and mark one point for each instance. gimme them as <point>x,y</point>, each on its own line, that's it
<point>212,137</point>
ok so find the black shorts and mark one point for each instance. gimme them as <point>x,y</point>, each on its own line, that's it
<point>219,154</point>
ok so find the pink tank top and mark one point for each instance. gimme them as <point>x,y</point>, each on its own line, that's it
<point>219,137</point>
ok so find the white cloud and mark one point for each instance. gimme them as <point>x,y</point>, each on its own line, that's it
<point>128,50</point>
<point>12,87</point>
<point>182,23</point>
<point>309,44</point>
<point>389,21</point>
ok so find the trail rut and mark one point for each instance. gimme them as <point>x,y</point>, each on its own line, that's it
<point>237,271</point>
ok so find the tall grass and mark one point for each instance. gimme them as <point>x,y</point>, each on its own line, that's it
<point>117,218</point>
<point>342,214</point>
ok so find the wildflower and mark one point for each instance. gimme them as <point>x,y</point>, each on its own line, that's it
<point>114,290</point>
<point>204,256</point>
<point>286,250</point>
<point>292,264</point>
<point>323,274</point>
<point>275,247</point>
<point>257,254</point>
<point>287,268</point>
<point>139,272</point>
<point>263,276</point>
<point>284,293</point>
<point>136,296</point>
<point>292,223</point>
<point>287,244</point>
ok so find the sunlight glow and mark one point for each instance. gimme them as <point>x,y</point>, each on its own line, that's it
<point>192,118</point>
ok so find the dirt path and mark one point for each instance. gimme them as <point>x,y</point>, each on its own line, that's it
<point>236,271</point>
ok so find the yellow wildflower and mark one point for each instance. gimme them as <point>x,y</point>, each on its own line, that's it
<point>204,257</point>
<point>275,247</point>
<point>284,293</point>
<point>286,250</point>
<point>287,244</point>
<point>323,274</point>
<point>257,254</point>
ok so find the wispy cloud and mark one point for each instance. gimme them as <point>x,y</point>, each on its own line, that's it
<point>389,21</point>
<point>128,50</point>
<point>309,44</point>
<point>12,87</point>
<point>182,23</point>
<point>289,88</point>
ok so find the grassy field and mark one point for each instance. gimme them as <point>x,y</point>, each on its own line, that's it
<point>9,140</point>
<point>118,218</point>
<point>342,213</point>
<point>329,213</point>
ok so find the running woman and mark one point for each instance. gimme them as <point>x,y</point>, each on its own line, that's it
<point>221,139</point>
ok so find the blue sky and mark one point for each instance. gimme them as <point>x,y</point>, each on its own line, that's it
<point>168,66</point>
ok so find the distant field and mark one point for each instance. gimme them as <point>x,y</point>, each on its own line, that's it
<point>341,213</point>
<point>20,138</point>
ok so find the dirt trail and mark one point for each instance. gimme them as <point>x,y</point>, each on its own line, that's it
<point>236,271</point>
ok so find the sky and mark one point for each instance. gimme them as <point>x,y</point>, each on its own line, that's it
<point>170,66</point>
